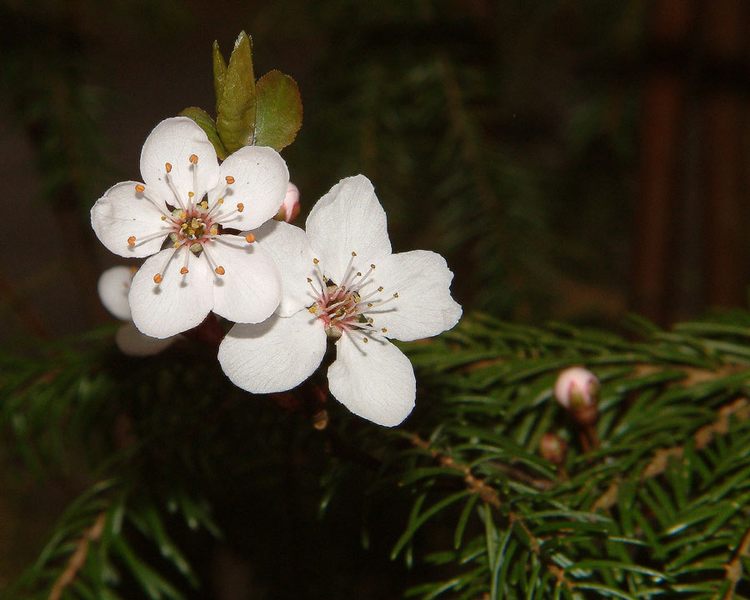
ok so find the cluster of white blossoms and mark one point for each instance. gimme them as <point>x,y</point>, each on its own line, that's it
<point>212,245</point>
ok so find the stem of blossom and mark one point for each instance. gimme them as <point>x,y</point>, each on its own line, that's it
<point>586,416</point>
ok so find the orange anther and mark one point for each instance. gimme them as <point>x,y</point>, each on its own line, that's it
<point>249,238</point>
<point>240,206</point>
<point>140,188</point>
<point>184,271</point>
<point>194,159</point>
<point>220,270</point>
<point>230,179</point>
<point>131,241</point>
<point>191,194</point>
<point>158,278</point>
<point>168,167</point>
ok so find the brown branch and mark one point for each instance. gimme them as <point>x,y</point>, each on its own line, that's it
<point>475,484</point>
<point>490,496</point>
<point>78,558</point>
<point>734,566</point>
<point>738,409</point>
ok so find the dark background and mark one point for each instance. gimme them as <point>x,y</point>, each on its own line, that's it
<point>573,160</point>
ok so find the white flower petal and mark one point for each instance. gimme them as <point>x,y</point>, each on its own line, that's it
<point>260,182</point>
<point>373,380</point>
<point>348,219</point>
<point>290,250</point>
<point>122,214</point>
<point>424,306</point>
<point>132,342</point>
<point>275,355</point>
<point>113,287</point>
<point>250,289</point>
<point>179,302</point>
<point>173,141</point>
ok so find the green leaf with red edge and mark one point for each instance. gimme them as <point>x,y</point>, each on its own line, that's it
<point>279,112</point>
<point>207,124</point>
<point>236,105</point>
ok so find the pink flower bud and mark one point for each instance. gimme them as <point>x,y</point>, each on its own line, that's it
<point>290,207</point>
<point>553,448</point>
<point>577,388</point>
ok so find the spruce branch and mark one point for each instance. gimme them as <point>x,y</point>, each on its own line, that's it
<point>738,409</point>
<point>734,568</point>
<point>78,558</point>
<point>476,485</point>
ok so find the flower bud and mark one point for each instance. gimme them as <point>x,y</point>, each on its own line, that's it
<point>290,207</point>
<point>577,389</point>
<point>553,448</point>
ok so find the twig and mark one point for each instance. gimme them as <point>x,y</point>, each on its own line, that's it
<point>738,409</point>
<point>490,496</point>
<point>78,558</point>
<point>475,484</point>
<point>734,566</point>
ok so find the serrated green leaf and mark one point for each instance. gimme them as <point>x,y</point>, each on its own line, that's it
<point>235,108</point>
<point>279,110</point>
<point>207,124</point>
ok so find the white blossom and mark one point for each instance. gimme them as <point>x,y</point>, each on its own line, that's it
<point>113,287</point>
<point>199,206</point>
<point>341,282</point>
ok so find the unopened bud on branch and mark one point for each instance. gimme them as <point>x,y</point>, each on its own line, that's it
<point>577,389</point>
<point>553,448</point>
<point>290,207</point>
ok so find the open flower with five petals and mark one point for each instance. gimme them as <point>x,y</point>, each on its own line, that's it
<point>341,282</point>
<point>187,215</point>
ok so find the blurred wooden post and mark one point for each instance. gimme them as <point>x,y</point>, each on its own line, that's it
<point>723,159</point>
<point>661,136</point>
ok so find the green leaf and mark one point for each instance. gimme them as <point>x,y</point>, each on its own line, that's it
<point>279,115</point>
<point>207,124</point>
<point>235,107</point>
<point>220,71</point>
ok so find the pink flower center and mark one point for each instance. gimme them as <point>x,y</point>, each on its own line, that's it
<point>194,225</point>
<point>339,310</point>
<point>348,307</point>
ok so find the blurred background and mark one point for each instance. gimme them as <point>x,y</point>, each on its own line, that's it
<point>573,160</point>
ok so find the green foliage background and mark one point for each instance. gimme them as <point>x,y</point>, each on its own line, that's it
<point>489,143</point>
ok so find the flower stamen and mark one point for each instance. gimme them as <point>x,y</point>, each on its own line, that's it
<point>141,189</point>
<point>160,233</point>
<point>175,193</point>
<point>341,307</point>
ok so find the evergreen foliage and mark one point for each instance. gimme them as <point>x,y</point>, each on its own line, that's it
<point>460,493</point>
<point>171,461</point>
